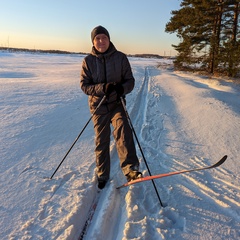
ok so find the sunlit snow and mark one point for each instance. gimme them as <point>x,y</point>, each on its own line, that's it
<point>182,121</point>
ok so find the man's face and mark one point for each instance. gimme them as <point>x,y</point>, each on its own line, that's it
<point>101,43</point>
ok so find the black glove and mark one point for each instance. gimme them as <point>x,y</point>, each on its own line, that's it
<point>108,88</point>
<point>119,89</point>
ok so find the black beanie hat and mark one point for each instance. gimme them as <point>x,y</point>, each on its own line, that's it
<point>99,30</point>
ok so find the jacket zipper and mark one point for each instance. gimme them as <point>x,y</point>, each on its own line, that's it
<point>105,70</point>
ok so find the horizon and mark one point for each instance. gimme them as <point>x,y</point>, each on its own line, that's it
<point>59,25</point>
<point>69,52</point>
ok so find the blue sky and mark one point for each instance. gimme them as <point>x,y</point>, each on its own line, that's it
<point>135,26</point>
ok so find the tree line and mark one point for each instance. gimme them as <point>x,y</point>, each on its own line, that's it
<point>10,49</point>
<point>209,35</point>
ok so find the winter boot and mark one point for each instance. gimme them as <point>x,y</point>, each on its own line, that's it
<point>101,183</point>
<point>132,175</point>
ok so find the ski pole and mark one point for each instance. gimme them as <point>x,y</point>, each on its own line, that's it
<point>79,135</point>
<point>131,125</point>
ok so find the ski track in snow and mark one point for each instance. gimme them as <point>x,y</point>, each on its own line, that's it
<point>182,121</point>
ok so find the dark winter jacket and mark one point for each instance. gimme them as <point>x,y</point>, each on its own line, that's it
<point>99,69</point>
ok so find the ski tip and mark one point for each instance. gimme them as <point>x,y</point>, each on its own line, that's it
<point>221,161</point>
<point>224,158</point>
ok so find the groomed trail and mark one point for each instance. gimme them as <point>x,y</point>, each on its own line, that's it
<point>182,120</point>
<point>159,120</point>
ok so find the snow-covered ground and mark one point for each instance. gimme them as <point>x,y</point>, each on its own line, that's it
<point>182,121</point>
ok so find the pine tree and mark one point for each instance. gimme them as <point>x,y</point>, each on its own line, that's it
<point>208,32</point>
<point>231,45</point>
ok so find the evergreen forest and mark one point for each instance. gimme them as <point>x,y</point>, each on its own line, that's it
<point>209,36</point>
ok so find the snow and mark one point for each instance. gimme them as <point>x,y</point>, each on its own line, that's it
<point>182,121</point>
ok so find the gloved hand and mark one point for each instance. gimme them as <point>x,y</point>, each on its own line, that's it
<point>119,89</point>
<point>108,88</point>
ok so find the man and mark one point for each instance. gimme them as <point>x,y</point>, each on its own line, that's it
<point>107,72</point>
